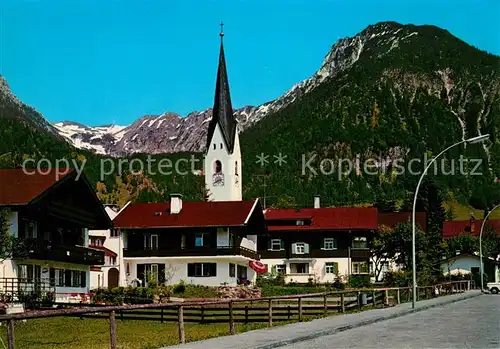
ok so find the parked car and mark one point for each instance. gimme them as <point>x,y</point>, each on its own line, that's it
<point>493,287</point>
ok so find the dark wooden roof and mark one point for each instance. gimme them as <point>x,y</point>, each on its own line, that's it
<point>22,186</point>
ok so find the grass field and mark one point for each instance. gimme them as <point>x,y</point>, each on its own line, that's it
<point>71,333</point>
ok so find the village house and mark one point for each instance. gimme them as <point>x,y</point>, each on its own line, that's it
<point>50,215</point>
<point>318,244</point>
<point>204,243</point>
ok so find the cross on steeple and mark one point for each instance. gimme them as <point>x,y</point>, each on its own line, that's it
<point>221,29</point>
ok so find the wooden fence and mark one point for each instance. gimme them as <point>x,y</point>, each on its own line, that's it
<point>266,309</point>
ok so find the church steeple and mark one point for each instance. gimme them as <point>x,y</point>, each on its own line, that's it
<point>223,109</point>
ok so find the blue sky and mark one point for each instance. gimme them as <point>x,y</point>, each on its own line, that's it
<point>100,62</point>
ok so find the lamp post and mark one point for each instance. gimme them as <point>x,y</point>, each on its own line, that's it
<point>478,139</point>
<point>481,246</point>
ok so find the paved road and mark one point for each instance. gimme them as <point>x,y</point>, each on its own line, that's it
<point>472,323</point>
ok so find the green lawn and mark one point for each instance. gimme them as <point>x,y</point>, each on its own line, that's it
<point>71,333</point>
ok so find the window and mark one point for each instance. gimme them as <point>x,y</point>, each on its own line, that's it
<point>201,240</point>
<point>76,278</point>
<point>202,269</point>
<point>360,268</point>
<point>215,146</point>
<point>30,230</point>
<point>299,268</point>
<point>359,242</point>
<point>150,242</point>
<point>183,241</point>
<point>232,270</point>
<point>300,222</point>
<point>276,245</point>
<point>300,247</point>
<point>221,145</point>
<point>115,233</point>
<point>329,244</point>
<point>281,269</point>
<point>60,277</point>
<point>332,268</point>
<point>236,167</point>
<point>146,272</point>
<point>218,166</point>
<point>29,272</point>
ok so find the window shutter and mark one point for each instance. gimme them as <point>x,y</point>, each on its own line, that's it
<point>294,248</point>
<point>269,246</point>
<point>83,279</point>
<point>140,271</point>
<point>282,244</point>
<point>161,273</point>
<point>191,269</point>
<point>52,277</point>
<point>67,278</point>
<point>274,269</point>
<point>323,243</point>
<point>306,248</point>
<point>335,268</point>
<point>213,269</point>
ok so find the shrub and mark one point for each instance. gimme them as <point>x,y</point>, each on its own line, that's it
<point>180,287</point>
<point>397,278</point>
<point>360,281</point>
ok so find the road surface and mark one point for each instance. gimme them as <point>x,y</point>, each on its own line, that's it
<point>472,323</point>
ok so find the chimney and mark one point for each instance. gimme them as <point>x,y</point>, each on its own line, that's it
<point>316,201</point>
<point>175,203</point>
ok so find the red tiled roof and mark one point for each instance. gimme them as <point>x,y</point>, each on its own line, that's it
<point>455,228</point>
<point>193,214</point>
<point>20,188</point>
<point>391,219</point>
<point>334,218</point>
<point>107,251</point>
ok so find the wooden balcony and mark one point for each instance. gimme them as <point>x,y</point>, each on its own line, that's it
<point>45,250</point>
<point>360,253</point>
<point>193,252</point>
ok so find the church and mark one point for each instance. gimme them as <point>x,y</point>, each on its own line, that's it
<point>211,242</point>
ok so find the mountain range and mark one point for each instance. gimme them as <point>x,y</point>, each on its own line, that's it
<point>169,132</point>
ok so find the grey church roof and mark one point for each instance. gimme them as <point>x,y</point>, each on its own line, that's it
<point>222,110</point>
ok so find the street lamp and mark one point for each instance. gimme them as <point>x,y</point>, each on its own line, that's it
<point>481,246</point>
<point>472,140</point>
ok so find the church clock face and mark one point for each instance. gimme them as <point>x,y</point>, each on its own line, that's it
<point>218,179</point>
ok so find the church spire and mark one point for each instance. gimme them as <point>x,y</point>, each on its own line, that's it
<point>222,112</point>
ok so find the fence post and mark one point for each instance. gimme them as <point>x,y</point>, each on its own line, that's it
<point>180,320</point>
<point>325,304</point>
<point>398,296</point>
<point>161,321</point>
<point>246,314</point>
<point>10,333</point>
<point>374,298</point>
<point>289,312</point>
<point>342,303</point>
<point>202,315</point>
<point>300,309</point>
<point>231,318</point>
<point>358,295</point>
<point>270,313</point>
<point>386,297</point>
<point>112,328</point>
